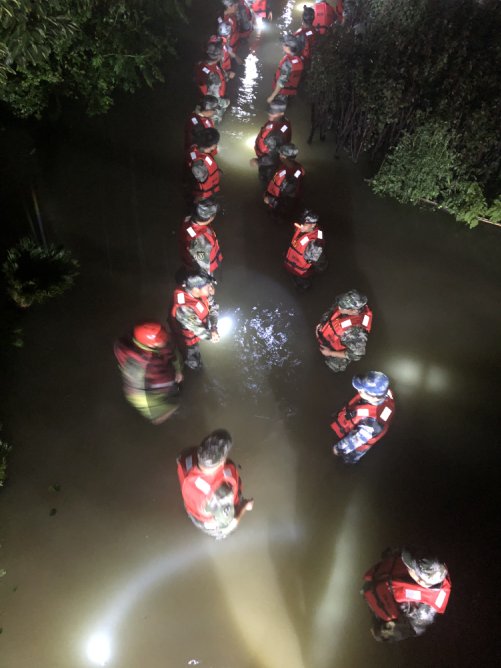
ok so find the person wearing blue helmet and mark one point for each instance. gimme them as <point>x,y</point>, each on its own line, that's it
<point>365,418</point>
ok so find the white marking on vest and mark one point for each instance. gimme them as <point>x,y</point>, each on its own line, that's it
<point>309,33</point>
<point>295,60</point>
<point>204,69</point>
<point>193,155</point>
<point>282,173</point>
<point>200,307</point>
<point>345,323</point>
<point>269,126</point>
<point>297,173</point>
<point>390,394</point>
<point>208,160</point>
<point>283,128</point>
<point>202,485</point>
<point>365,320</point>
<point>386,414</point>
<point>363,412</point>
<point>180,298</point>
<point>227,473</point>
<point>320,234</point>
<point>189,462</point>
<point>191,232</point>
<point>413,595</point>
<point>194,121</point>
<point>304,241</point>
<point>440,599</point>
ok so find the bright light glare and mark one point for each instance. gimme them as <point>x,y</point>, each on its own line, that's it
<point>299,7</point>
<point>261,24</point>
<point>99,649</point>
<point>224,325</point>
<point>250,141</point>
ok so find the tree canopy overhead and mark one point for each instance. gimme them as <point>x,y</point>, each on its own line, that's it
<point>82,49</point>
<point>399,67</point>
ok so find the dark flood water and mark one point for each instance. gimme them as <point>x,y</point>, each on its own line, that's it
<point>119,556</point>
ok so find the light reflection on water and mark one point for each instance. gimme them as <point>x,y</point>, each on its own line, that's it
<point>286,18</point>
<point>244,109</point>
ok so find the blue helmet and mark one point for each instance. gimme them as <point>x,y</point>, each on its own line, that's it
<point>375,383</point>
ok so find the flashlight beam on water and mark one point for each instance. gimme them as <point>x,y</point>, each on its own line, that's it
<point>99,649</point>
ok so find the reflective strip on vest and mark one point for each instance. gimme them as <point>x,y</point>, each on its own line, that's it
<point>202,485</point>
<point>412,595</point>
<point>309,33</point>
<point>365,320</point>
<point>320,234</point>
<point>282,173</point>
<point>363,412</point>
<point>297,173</point>
<point>193,156</point>
<point>180,298</point>
<point>386,414</point>
<point>191,232</point>
<point>205,70</point>
<point>194,120</point>
<point>189,463</point>
<point>345,323</point>
<point>199,306</point>
<point>284,128</point>
<point>440,599</point>
<point>304,241</point>
<point>208,160</point>
<point>227,473</point>
<point>294,61</point>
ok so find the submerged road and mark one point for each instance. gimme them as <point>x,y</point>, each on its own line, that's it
<point>112,555</point>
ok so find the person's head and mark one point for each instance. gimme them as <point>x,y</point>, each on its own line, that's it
<point>288,151</point>
<point>207,140</point>
<point>214,51</point>
<point>230,6</point>
<point>214,449</point>
<point>290,44</point>
<point>224,29</point>
<point>150,335</point>
<point>308,15</point>
<point>205,211</point>
<point>372,386</point>
<point>197,284</point>
<point>424,568</point>
<point>208,106</point>
<point>307,221</point>
<point>277,108</point>
<point>351,302</point>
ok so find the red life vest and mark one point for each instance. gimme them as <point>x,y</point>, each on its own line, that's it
<point>211,184</point>
<point>232,20</point>
<point>292,82</point>
<point>281,126</point>
<point>202,71</point>
<point>391,584</point>
<point>293,174</point>
<point>199,305</point>
<point>243,34</point>
<point>324,17</point>
<point>295,262</point>
<point>189,231</point>
<point>194,124</point>
<point>360,409</point>
<point>259,7</point>
<point>198,487</point>
<point>330,332</point>
<point>309,41</point>
<point>145,369</point>
<point>225,62</point>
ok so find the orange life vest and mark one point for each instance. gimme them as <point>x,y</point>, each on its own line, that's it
<point>295,262</point>
<point>199,305</point>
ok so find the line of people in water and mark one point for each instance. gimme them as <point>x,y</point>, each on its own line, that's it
<point>408,587</point>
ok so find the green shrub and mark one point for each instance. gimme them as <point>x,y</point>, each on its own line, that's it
<point>33,273</point>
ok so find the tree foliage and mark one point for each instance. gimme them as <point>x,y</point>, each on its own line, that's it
<point>429,69</point>
<point>34,273</point>
<point>83,49</point>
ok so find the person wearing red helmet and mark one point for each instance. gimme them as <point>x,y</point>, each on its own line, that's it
<point>405,591</point>
<point>151,370</point>
<point>211,486</point>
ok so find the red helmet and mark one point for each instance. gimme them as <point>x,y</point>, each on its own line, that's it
<point>151,335</point>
